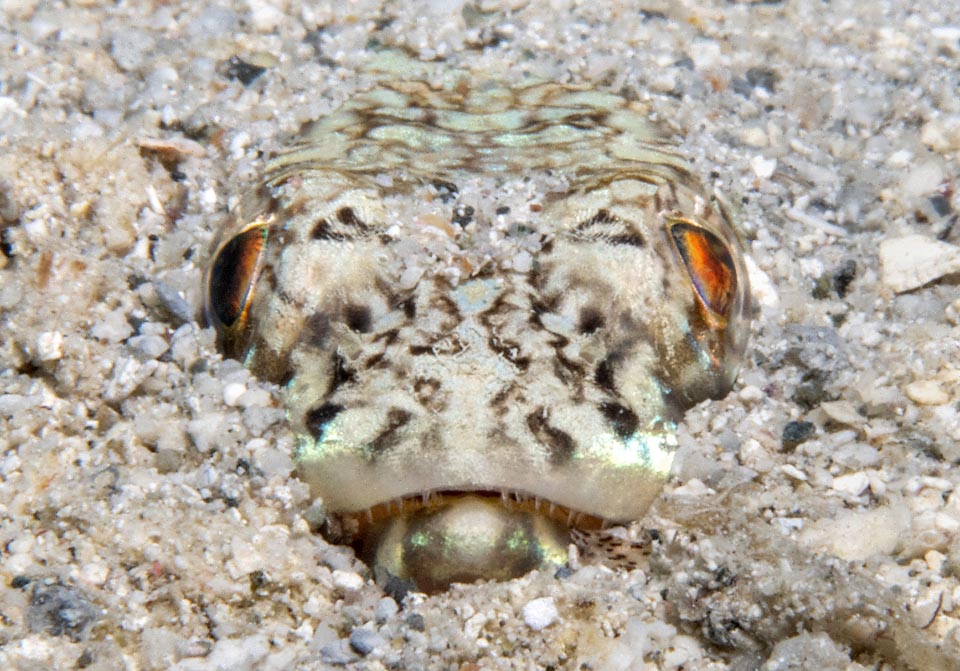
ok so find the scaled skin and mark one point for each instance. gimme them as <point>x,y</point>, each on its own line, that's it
<point>433,341</point>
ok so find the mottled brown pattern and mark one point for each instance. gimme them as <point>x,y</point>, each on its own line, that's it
<point>483,285</point>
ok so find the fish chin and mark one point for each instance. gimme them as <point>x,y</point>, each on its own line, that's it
<point>462,539</point>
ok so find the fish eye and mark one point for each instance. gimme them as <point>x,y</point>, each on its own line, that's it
<point>231,281</point>
<point>710,266</point>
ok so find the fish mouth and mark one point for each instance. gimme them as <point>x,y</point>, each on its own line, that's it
<point>349,527</point>
<point>427,541</point>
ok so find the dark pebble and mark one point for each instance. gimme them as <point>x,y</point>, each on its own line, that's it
<point>242,71</point>
<point>61,610</point>
<point>763,78</point>
<point>843,276</point>
<point>818,353</point>
<point>795,433</point>
<point>940,205</point>
<point>463,216</point>
<point>811,390</point>
<point>446,190</point>
<point>365,641</point>
<point>742,86</point>
<point>415,621</point>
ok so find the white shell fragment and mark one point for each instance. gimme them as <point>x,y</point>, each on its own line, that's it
<point>856,535</point>
<point>540,613</point>
<point>926,392</point>
<point>912,261</point>
<point>763,167</point>
<point>50,346</point>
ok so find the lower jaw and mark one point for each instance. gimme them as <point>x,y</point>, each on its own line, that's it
<point>462,538</point>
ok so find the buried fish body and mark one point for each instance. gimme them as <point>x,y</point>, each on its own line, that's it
<point>490,308</point>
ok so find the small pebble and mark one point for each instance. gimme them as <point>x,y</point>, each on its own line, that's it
<point>386,608</point>
<point>130,48</point>
<point>852,484</point>
<point>754,136</point>
<point>926,392</point>
<point>637,590</point>
<point>793,472</point>
<point>856,535</point>
<point>159,647</point>
<point>763,78</point>
<point>843,412</point>
<point>522,262</point>
<point>751,394</point>
<point>113,327</point>
<point>232,393</point>
<point>365,641</point>
<point>923,178</point>
<point>540,613</point>
<point>50,346</point>
<point>213,22</point>
<point>796,432</point>
<point>763,167</point>
<point>348,581</point>
<point>339,653</point>
<point>416,622</point>
<point>148,346</point>
<point>935,560</point>
<point>912,261</point>
<point>174,302</point>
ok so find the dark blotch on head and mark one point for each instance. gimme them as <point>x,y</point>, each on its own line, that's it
<point>624,420</point>
<point>426,387</point>
<point>509,350</point>
<point>559,442</point>
<point>610,229</point>
<point>568,371</point>
<point>317,329</point>
<point>397,418</point>
<point>604,374</point>
<point>601,217</point>
<point>322,230</point>
<point>409,308</point>
<point>375,361</point>
<point>629,239</point>
<point>357,318</point>
<point>342,374</point>
<point>317,418</point>
<point>387,337</point>
<point>347,217</point>
<point>590,320</point>
<point>537,308</point>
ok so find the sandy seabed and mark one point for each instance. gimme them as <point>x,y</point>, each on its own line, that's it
<point>149,515</point>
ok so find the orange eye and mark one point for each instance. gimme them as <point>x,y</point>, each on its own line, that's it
<point>232,276</point>
<point>710,265</point>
